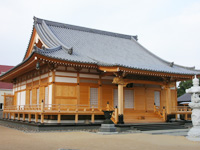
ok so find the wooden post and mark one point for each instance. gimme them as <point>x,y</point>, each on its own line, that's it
<point>42,106</point>
<point>186,116</point>
<point>164,114</point>
<point>36,118</point>
<point>120,98</point>
<point>76,118</point>
<point>29,117</point>
<point>168,100</point>
<point>23,117</point>
<point>18,116</point>
<point>121,103</point>
<point>4,101</point>
<point>107,106</point>
<point>116,114</point>
<point>92,119</point>
<point>42,118</point>
<point>176,115</point>
<point>6,115</point>
<point>53,87</point>
<point>59,118</point>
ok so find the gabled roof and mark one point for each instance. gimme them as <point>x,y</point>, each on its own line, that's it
<point>3,69</point>
<point>85,45</point>
<point>185,98</point>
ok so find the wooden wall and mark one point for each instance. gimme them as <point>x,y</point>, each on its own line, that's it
<point>139,98</point>
<point>65,94</point>
<point>71,87</point>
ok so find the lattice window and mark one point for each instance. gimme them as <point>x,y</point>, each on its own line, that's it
<point>115,97</point>
<point>157,98</point>
<point>129,98</point>
<point>38,96</point>
<point>94,97</point>
<point>30,97</point>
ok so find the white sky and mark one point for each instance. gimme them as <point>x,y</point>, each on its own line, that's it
<point>168,28</point>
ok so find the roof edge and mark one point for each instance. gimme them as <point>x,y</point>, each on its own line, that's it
<point>84,29</point>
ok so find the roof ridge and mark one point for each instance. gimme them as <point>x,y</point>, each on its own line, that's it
<point>84,29</point>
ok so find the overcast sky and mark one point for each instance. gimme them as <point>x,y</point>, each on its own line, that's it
<point>168,28</point>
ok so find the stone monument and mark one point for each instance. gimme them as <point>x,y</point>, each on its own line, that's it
<point>194,132</point>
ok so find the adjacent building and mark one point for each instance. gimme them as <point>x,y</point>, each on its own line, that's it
<point>5,88</point>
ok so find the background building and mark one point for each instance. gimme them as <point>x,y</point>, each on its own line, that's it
<point>4,87</point>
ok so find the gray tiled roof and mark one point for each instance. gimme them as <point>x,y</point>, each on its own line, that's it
<point>100,47</point>
<point>185,98</point>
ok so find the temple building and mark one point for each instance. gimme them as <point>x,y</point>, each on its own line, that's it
<point>72,73</point>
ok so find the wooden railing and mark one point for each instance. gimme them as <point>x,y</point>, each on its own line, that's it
<point>161,113</point>
<point>114,117</point>
<point>181,110</point>
<point>68,108</point>
<point>33,107</point>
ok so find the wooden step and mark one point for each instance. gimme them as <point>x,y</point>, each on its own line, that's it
<point>132,116</point>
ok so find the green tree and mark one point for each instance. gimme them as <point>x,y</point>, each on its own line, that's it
<point>183,85</point>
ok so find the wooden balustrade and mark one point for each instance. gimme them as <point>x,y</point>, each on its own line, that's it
<point>161,113</point>
<point>181,110</point>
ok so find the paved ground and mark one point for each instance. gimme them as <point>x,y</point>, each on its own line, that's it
<point>12,139</point>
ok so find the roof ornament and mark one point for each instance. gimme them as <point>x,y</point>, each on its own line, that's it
<point>171,64</point>
<point>35,20</point>
<point>35,48</point>
<point>43,47</point>
<point>70,51</point>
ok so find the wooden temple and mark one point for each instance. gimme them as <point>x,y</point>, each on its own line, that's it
<point>72,73</point>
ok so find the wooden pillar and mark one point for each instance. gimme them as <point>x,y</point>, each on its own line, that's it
<point>100,94</point>
<point>36,118</point>
<point>121,103</point>
<point>92,118</point>
<point>59,118</point>
<point>6,115</point>
<point>176,115</point>
<point>100,97</point>
<point>186,116</point>
<point>168,100</point>
<point>29,117</point>
<point>116,115</point>
<point>23,117</point>
<point>4,101</point>
<point>18,116</point>
<point>76,118</point>
<point>53,87</point>
<point>42,106</point>
<point>42,118</point>
<point>78,88</point>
